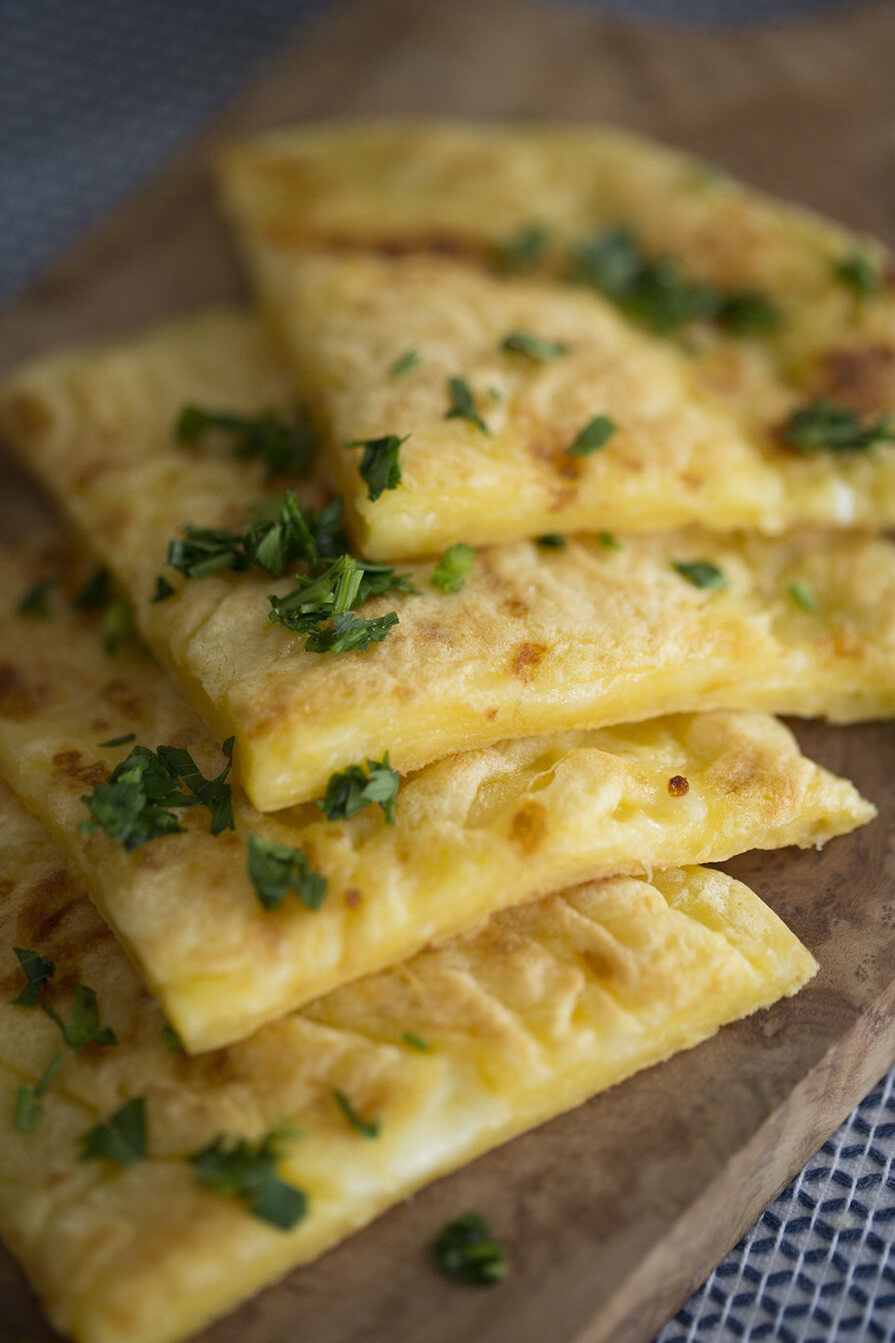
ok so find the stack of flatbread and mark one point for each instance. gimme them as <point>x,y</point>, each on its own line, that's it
<point>414,642</point>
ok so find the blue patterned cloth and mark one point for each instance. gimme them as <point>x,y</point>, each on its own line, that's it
<point>94,94</point>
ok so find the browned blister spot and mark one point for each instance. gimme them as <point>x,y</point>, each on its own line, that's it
<point>848,644</point>
<point>74,766</point>
<point>529,826</point>
<point>515,606</point>
<point>526,658</point>
<point>490,714</point>
<point>863,377</point>
<point>92,472</point>
<point>353,897</point>
<point>678,786</point>
<point>119,694</point>
<point>20,697</point>
<point>26,416</point>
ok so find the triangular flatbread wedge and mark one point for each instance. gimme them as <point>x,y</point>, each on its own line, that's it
<point>471,834</point>
<point>538,640</point>
<point>784,308</point>
<point>435,1062</point>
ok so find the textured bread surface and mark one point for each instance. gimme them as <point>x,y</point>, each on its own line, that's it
<point>540,1009</point>
<point>474,832</point>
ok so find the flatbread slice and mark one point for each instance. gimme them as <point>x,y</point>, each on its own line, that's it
<point>441,1059</point>
<point>471,834</point>
<point>592,634</point>
<point>342,226</point>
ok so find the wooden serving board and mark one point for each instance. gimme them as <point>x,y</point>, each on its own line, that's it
<point>614,1213</point>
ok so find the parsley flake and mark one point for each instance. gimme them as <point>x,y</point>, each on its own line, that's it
<point>171,1040</point>
<point>38,972</point>
<point>803,597</point>
<point>350,633</point>
<point>276,870</point>
<point>118,624</point>
<point>96,592</point>
<point>367,1128</point>
<point>523,249</point>
<point>163,590</point>
<point>522,342</point>
<point>825,425</point>
<point>747,312</point>
<point>608,541</point>
<point>594,436</point>
<point>247,1171</point>
<point>121,1139</point>
<point>379,465</point>
<point>353,789</point>
<point>123,740</point>
<point>465,1252</point>
<point>35,602</point>
<point>285,447</point>
<point>29,1100</point>
<point>451,571</point>
<point>462,405</point>
<point>405,363</point>
<point>551,541</point>
<point>860,272</point>
<point>701,573</point>
<point>415,1042</point>
<point>83,1029</point>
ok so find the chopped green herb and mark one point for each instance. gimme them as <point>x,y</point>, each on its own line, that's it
<point>451,571</point>
<point>84,1028</point>
<point>462,405</point>
<point>96,592</point>
<point>118,624</point>
<point>331,595</point>
<point>350,633</point>
<point>214,794</point>
<point>803,596</point>
<point>465,1252</point>
<point>415,1042</point>
<point>594,436</point>
<point>29,1100</point>
<point>608,541</point>
<point>860,272</point>
<point>522,342</point>
<point>747,312</point>
<point>523,249</point>
<point>38,972</point>
<point>824,425</point>
<point>163,590</point>
<point>405,363</point>
<point>350,791</point>
<point>701,573</point>
<point>122,1138</point>
<point>379,465</point>
<point>203,551</point>
<point>551,541</point>
<point>171,1040</point>
<point>123,740</point>
<point>35,601</point>
<point>247,1171</point>
<point>276,870</point>
<point>368,1128</point>
<point>283,447</point>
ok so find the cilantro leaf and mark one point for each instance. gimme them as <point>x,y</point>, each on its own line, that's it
<point>171,1040</point>
<point>123,740</point>
<point>283,447</point>
<point>350,633</point>
<point>462,405</point>
<point>247,1171</point>
<point>608,541</point>
<point>29,1100</point>
<point>276,870</point>
<point>96,592</point>
<point>133,805</point>
<point>523,249</point>
<point>465,1252</point>
<point>747,312</point>
<point>368,1128</point>
<point>202,551</point>
<point>214,794</point>
<point>118,623</point>
<point>38,972</point>
<point>415,1042</point>
<point>351,790</point>
<point>825,425</point>
<point>701,573</point>
<point>163,590</point>
<point>803,596</point>
<point>551,541</point>
<point>122,1138</point>
<point>860,272</point>
<point>522,342</point>
<point>35,601</point>
<point>405,363</point>
<point>452,569</point>
<point>83,1029</point>
<point>379,465</point>
<point>594,436</point>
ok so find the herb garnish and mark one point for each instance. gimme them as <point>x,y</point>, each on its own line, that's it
<point>415,1042</point>
<point>522,249</point>
<point>83,1029</point>
<point>29,1100</point>
<point>38,972</point>
<point>451,571</point>
<point>35,601</point>
<point>118,623</point>
<point>379,465</point>
<point>122,1138</point>
<point>860,272</point>
<point>331,595</point>
<point>522,342</point>
<point>283,447</point>
<point>825,425</point>
<point>351,634</point>
<point>134,805</point>
<point>351,790</point>
<point>465,1252</point>
<point>163,590</point>
<point>368,1128</point>
<point>462,406</point>
<point>293,534</point>
<point>701,573</point>
<point>608,541</point>
<point>803,596</point>
<point>276,870</point>
<point>247,1171</point>
<point>551,541</point>
<point>405,363</point>
<point>123,740</point>
<point>747,312</point>
<point>96,592</point>
<point>171,1040</point>
<point>594,436</point>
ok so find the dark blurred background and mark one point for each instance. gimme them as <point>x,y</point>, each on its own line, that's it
<point>95,93</point>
